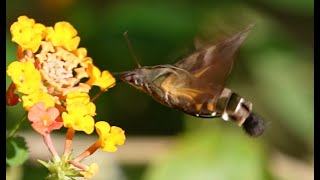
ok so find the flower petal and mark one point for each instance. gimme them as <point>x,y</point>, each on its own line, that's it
<point>25,76</point>
<point>63,34</point>
<point>27,34</point>
<point>37,96</point>
<point>44,120</point>
<point>109,137</point>
<point>36,112</point>
<point>104,80</point>
<point>91,170</point>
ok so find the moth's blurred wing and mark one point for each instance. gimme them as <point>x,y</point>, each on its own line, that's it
<point>213,64</point>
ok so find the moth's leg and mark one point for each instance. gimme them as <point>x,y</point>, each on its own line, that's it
<point>168,99</point>
<point>185,98</point>
<point>161,93</point>
<point>156,89</point>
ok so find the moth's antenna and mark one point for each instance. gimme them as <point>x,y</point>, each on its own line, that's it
<point>125,35</point>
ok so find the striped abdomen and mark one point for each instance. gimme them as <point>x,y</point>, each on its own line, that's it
<point>230,105</point>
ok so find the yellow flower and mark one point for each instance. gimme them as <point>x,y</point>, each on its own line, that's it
<point>77,119</point>
<point>81,52</point>
<point>51,74</point>
<point>24,21</point>
<point>25,76</point>
<point>81,99</point>
<point>63,34</point>
<point>78,97</point>
<point>27,33</point>
<point>35,97</point>
<point>91,170</point>
<point>104,80</point>
<point>80,112</point>
<point>109,137</point>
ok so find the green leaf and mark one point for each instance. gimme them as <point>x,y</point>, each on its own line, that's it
<point>16,151</point>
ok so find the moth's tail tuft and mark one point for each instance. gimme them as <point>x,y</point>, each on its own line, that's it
<point>254,125</point>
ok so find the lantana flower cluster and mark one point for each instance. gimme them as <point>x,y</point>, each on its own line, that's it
<point>52,78</point>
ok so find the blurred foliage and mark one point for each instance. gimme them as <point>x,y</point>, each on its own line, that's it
<point>212,153</point>
<point>274,70</point>
<point>16,151</point>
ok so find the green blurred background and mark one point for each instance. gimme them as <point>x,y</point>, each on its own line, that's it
<point>274,70</point>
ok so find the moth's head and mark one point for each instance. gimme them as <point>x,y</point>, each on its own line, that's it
<point>134,78</point>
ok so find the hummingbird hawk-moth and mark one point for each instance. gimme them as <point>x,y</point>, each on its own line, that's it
<point>196,84</point>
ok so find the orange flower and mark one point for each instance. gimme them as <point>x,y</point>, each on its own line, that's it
<point>44,120</point>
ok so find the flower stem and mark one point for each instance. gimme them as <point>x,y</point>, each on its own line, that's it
<point>78,165</point>
<point>67,145</point>
<point>88,152</point>
<point>20,54</point>
<point>48,141</point>
<point>16,127</point>
<point>96,96</point>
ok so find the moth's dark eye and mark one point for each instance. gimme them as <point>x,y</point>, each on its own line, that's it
<point>138,82</point>
<point>133,79</point>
